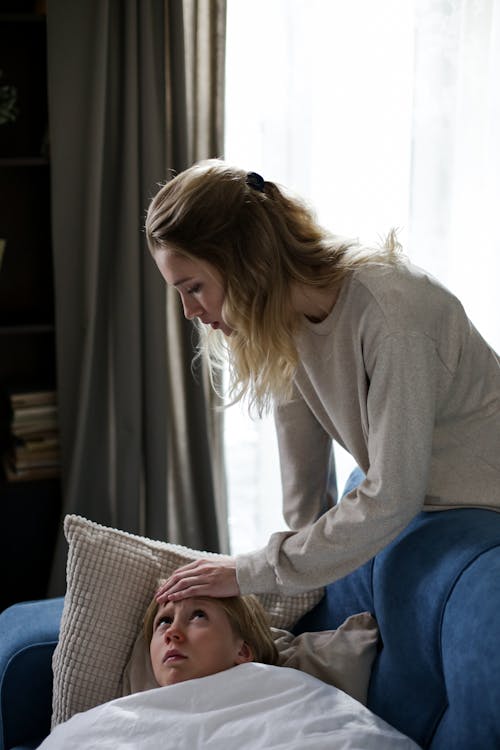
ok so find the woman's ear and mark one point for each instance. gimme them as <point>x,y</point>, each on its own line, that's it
<point>244,654</point>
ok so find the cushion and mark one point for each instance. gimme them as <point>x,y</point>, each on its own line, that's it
<point>111,578</point>
<point>342,657</point>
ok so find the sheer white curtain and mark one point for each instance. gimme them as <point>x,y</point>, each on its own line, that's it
<point>380,114</point>
<point>455,185</point>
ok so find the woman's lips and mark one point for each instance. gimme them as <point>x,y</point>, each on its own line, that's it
<point>217,325</point>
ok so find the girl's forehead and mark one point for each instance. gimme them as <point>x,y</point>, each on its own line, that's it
<point>188,604</point>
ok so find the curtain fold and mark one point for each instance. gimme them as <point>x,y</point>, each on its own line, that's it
<point>117,72</point>
<point>455,181</point>
<point>195,120</point>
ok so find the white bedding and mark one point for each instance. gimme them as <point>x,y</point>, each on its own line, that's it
<point>249,707</point>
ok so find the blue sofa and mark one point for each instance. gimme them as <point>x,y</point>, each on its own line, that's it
<point>435,592</point>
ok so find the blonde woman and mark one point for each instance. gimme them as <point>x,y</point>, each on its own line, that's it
<point>344,343</point>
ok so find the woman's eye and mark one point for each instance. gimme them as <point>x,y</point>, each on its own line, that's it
<point>194,289</point>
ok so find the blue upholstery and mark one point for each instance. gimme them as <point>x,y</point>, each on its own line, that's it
<point>28,636</point>
<point>435,592</point>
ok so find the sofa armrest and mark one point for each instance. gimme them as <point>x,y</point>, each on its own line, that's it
<point>29,632</point>
<point>470,657</point>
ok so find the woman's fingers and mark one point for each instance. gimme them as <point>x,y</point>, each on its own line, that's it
<point>179,578</point>
<point>200,578</point>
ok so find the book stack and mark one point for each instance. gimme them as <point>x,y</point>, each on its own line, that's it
<point>34,451</point>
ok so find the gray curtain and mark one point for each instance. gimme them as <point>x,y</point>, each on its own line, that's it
<point>135,90</point>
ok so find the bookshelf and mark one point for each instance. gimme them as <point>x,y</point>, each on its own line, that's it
<point>29,473</point>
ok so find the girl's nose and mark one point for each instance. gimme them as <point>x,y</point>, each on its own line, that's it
<point>174,633</point>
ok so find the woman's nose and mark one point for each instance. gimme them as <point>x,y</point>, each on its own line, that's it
<point>192,309</point>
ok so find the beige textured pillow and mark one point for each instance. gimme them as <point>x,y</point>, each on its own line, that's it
<point>342,657</point>
<point>111,578</point>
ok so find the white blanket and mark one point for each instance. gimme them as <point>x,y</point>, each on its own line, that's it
<point>249,707</point>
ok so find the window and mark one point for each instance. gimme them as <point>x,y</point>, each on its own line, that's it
<point>380,114</point>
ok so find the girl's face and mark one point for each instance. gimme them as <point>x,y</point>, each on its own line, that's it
<point>193,638</point>
<point>199,285</point>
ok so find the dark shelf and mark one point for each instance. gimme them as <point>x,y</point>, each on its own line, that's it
<point>30,517</point>
<point>24,161</point>
<point>28,17</point>
<point>24,66</point>
<point>26,279</point>
<point>30,508</point>
<point>36,329</point>
<point>27,359</point>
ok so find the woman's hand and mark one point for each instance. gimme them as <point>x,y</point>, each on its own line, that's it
<point>201,578</point>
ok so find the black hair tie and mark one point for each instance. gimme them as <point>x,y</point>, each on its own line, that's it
<point>255,181</point>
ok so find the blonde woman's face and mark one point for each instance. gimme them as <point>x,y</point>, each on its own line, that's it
<point>199,285</point>
<point>193,638</point>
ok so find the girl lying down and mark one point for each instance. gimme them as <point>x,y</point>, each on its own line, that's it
<point>214,661</point>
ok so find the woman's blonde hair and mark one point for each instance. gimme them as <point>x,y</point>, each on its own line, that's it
<point>262,242</point>
<point>247,618</point>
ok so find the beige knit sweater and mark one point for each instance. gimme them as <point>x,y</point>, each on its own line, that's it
<point>399,377</point>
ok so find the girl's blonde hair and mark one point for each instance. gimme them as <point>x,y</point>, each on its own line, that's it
<point>247,618</point>
<point>262,242</point>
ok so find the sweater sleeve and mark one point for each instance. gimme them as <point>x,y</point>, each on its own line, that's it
<point>400,413</point>
<point>305,450</point>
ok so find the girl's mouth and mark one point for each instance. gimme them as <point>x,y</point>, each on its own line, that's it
<point>171,656</point>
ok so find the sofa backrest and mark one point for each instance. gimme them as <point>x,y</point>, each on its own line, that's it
<point>435,592</point>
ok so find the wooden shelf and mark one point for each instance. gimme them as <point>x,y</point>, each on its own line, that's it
<point>27,330</point>
<point>21,18</point>
<point>24,161</point>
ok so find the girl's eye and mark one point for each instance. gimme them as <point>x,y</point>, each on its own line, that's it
<point>194,289</point>
<point>165,620</point>
<point>198,613</point>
